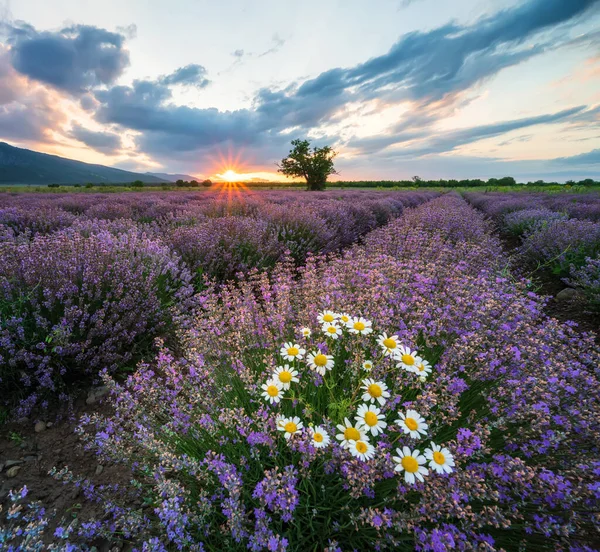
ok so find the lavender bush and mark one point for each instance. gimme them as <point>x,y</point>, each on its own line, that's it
<point>73,306</point>
<point>561,244</point>
<point>586,278</point>
<point>526,221</point>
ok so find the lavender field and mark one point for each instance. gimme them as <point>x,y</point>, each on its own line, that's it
<point>334,371</point>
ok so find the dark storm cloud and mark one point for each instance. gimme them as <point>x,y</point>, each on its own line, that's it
<point>190,75</point>
<point>104,142</point>
<point>73,59</point>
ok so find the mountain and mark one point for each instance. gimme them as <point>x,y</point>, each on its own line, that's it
<point>165,177</point>
<point>23,166</point>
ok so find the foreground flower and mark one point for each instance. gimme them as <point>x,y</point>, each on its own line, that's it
<point>388,344</point>
<point>440,458</point>
<point>367,365</point>
<point>423,368</point>
<point>305,332</point>
<point>272,391</point>
<point>412,423</point>
<point>361,449</point>
<point>408,359</point>
<point>332,330</point>
<point>344,318</point>
<point>411,463</point>
<point>371,419</point>
<point>285,375</point>
<point>320,438</point>
<point>375,391</point>
<point>326,317</point>
<point>360,326</point>
<point>349,433</point>
<point>292,351</point>
<point>320,362</point>
<point>290,426</point>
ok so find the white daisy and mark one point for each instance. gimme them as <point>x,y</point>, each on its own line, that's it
<point>411,463</point>
<point>389,344</point>
<point>292,351</point>
<point>375,391</point>
<point>440,458</point>
<point>359,325</point>
<point>320,438</point>
<point>289,426</point>
<point>305,332</point>
<point>367,365</point>
<point>344,318</point>
<point>407,359</point>
<point>423,368</point>
<point>412,423</point>
<point>361,449</point>
<point>327,316</point>
<point>370,419</point>
<point>285,376</point>
<point>272,391</point>
<point>349,433</point>
<point>332,329</point>
<point>320,362</point>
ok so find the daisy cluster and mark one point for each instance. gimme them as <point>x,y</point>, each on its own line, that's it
<point>357,432</point>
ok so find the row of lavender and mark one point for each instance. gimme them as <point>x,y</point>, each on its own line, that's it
<point>560,235</point>
<point>88,282</point>
<point>406,395</point>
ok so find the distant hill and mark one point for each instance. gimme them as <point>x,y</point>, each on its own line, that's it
<point>23,166</point>
<point>165,177</point>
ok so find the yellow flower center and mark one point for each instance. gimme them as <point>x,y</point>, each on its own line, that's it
<point>375,390</point>
<point>320,360</point>
<point>318,437</point>
<point>371,418</point>
<point>285,376</point>
<point>361,447</point>
<point>332,329</point>
<point>328,317</point>
<point>293,351</point>
<point>411,423</point>
<point>360,326</point>
<point>272,391</point>
<point>421,367</point>
<point>389,343</point>
<point>344,318</point>
<point>439,458</point>
<point>410,464</point>
<point>291,427</point>
<point>408,359</point>
<point>351,434</point>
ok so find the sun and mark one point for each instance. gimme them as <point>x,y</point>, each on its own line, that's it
<point>231,176</point>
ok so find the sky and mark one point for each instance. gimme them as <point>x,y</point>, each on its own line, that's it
<point>434,88</point>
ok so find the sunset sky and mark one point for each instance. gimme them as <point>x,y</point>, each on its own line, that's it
<point>439,89</point>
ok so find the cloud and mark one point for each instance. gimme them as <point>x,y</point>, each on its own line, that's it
<point>448,141</point>
<point>73,59</point>
<point>589,158</point>
<point>190,75</point>
<point>27,112</point>
<point>278,42</point>
<point>104,142</point>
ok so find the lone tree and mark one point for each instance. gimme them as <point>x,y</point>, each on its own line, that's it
<point>313,164</point>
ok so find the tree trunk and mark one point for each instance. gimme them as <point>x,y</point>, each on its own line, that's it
<point>314,185</point>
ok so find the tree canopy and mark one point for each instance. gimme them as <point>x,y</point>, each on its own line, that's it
<point>313,164</point>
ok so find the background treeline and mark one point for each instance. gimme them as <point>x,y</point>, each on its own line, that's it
<point>468,183</point>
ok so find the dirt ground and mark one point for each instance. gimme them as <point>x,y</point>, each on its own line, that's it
<point>34,453</point>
